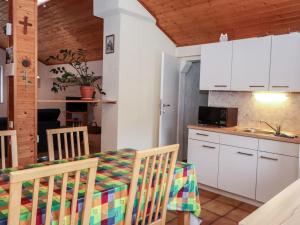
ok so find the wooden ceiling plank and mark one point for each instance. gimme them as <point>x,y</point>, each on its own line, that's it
<point>193,22</point>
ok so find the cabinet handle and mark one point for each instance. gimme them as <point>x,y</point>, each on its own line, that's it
<point>205,135</point>
<point>243,153</point>
<point>210,147</point>
<point>257,86</point>
<point>219,86</point>
<point>280,86</point>
<point>268,158</point>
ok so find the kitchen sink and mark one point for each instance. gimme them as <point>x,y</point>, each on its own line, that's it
<point>265,132</point>
<point>255,131</point>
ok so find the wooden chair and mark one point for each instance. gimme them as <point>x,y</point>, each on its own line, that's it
<point>36,174</point>
<point>155,161</point>
<point>68,136</point>
<point>4,140</point>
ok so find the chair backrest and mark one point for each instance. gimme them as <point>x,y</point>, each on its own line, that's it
<point>64,136</point>
<point>49,172</point>
<point>4,141</point>
<point>155,168</point>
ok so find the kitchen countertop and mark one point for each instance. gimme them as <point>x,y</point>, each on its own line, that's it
<point>239,131</point>
<point>283,209</point>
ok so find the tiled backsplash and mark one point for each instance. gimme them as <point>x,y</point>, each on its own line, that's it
<point>287,113</point>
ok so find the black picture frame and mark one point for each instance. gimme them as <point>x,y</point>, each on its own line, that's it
<point>110,44</point>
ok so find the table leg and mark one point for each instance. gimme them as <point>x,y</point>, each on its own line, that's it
<point>183,218</point>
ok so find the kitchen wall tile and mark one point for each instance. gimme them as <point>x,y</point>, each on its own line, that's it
<point>251,111</point>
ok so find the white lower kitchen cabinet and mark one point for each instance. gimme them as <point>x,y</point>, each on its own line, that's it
<point>254,168</point>
<point>274,173</point>
<point>237,170</point>
<point>205,156</point>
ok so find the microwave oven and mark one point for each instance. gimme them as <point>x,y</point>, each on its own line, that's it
<point>218,116</point>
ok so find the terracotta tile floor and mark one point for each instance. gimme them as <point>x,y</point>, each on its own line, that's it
<point>218,210</point>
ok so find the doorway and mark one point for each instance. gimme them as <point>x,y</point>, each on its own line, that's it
<point>189,101</point>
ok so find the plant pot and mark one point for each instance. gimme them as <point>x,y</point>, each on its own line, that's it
<point>87,92</point>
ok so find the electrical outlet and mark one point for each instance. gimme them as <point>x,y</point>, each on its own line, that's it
<point>11,125</point>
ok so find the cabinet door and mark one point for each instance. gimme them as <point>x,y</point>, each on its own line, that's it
<point>237,171</point>
<point>251,64</point>
<point>204,156</point>
<point>285,66</point>
<point>215,71</point>
<point>274,173</point>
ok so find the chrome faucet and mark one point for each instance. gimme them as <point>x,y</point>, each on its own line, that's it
<point>277,129</point>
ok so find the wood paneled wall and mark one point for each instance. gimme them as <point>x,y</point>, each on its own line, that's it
<point>3,21</point>
<point>23,99</point>
<point>69,24</point>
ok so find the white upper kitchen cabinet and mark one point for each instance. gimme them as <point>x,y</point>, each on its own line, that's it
<point>285,63</point>
<point>215,72</point>
<point>251,64</point>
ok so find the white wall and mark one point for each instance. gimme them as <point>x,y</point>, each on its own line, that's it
<point>109,138</point>
<point>188,51</point>
<point>132,75</point>
<point>141,47</point>
<point>45,93</point>
<point>3,106</point>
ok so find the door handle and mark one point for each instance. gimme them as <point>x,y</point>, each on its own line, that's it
<point>166,105</point>
<point>219,86</point>
<point>205,135</point>
<point>268,158</point>
<point>257,86</point>
<point>246,154</point>
<point>280,86</point>
<point>210,147</point>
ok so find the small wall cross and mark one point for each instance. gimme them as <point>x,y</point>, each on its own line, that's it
<point>26,24</point>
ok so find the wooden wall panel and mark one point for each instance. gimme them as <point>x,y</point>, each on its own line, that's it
<point>69,24</point>
<point>64,24</point>
<point>3,21</point>
<point>23,104</point>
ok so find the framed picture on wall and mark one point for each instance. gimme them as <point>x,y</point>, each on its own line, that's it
<point>110,44</point>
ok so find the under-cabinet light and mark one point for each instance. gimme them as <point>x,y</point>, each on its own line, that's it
<point>270,97</point>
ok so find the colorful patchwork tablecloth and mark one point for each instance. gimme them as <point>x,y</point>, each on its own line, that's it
<point>110,195</point>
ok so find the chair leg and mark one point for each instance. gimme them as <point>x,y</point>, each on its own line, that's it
<point>183,218</point>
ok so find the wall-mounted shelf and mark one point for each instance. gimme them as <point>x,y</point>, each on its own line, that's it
<point>102,101</point>
<point>54,77</point>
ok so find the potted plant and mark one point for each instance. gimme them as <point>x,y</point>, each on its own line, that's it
<point>77,74</point>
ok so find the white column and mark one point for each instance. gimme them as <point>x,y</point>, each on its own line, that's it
<point>131,75</point>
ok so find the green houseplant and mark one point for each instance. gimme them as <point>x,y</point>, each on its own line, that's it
<point>78,74</point>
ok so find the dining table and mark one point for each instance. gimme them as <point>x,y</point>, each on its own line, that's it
<point>110,194</point>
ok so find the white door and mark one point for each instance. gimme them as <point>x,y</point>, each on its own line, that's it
<point>169,100</point>
<point>285,66</point>
<point>251,64</point>
<point>215,71</point>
